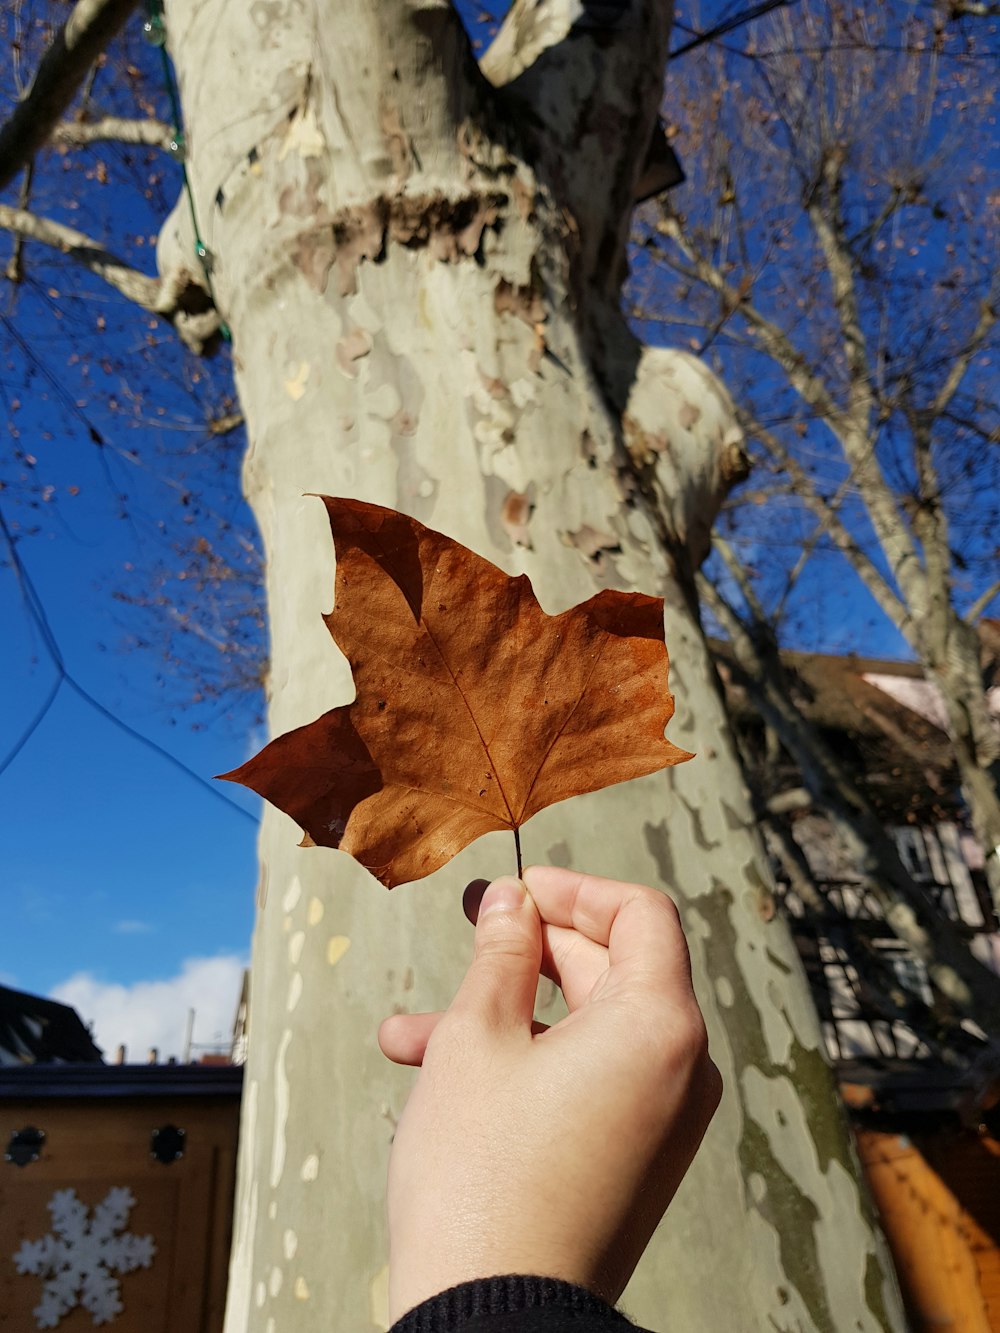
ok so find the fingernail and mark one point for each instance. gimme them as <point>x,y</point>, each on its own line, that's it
<point>505,894</point>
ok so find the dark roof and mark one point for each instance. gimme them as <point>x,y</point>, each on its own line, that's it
<point>832,692</point>
<point>900,758</point>
<point>34,1030</point>
<point>125,1081</point>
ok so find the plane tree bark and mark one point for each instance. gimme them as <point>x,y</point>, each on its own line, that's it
<point>422,286</point>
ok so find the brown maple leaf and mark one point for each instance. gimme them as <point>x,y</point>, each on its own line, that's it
<point>474,709</point>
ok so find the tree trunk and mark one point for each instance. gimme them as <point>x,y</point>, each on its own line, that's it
<point>955,669</point>
<point>422,294</point>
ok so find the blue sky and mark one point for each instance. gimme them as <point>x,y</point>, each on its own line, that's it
<point>916,132</point>
<point>127,888</point>
<point>115,864</point>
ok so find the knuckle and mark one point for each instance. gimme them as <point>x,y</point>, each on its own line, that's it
<point>664,919</point>
<point>655,900</point>
<point>684,1037</point>
<point>505,941</point>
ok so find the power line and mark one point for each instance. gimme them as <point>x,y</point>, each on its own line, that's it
<point>36,611</point>
<point>728,25</point>
<point>32,726</point>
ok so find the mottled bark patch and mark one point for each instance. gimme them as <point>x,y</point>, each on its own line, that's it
<point>782,1202</point>
<point>658,846</point>
<point>354,345</point>
<point>793,1217</point>
<point>515,514</point>
<point>643,445</point>
<point>698,830</point>
<point>559,854</point>
<point>597,548</point>
<point>524,302</point>
<point>508,513</point>
<point>734,463</point>
<point>397,141</point>
<point>875,1284</point>
<point>451,228</point>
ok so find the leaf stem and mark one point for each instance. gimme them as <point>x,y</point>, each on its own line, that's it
<point>517,847</point>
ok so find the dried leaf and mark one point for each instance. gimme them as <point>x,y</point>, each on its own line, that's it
<point>474,709</point>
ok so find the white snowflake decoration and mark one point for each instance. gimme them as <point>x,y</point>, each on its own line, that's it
<point>80,1258</point>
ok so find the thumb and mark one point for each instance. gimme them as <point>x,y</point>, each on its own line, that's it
<point>499,988</point>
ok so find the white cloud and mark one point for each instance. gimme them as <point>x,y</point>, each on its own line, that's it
<point>155,1013</point>
<point>257,738</point>
<point>132,928</point>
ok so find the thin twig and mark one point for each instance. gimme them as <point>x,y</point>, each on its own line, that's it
<point>15,265</point>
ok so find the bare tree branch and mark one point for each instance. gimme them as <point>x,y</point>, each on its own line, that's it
<point>225,425</point>
<point>119,129</point>
<point>849,427</point>
<point>792,799</point>
<point>959,367</point>
<point>824,208</point>
<point>183,302</point>
<point>143,290</point>
<point>988,436</point>
<point>808,547</point>
<point>930,521</point>
<point>982,602</point>
<point>14,271</point>
<point>871,229</point>
<point>840,534</point>
<point>742,579</point>
<point>825,214</point>
<point>62,69</point>
<point>771,337</point>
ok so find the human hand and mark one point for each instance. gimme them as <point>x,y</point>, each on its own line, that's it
<point>551,1152</point>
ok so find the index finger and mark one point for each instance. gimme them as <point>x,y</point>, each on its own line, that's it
<point>639,926</point>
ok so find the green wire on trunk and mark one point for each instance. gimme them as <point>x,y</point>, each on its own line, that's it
<point>155,31</point>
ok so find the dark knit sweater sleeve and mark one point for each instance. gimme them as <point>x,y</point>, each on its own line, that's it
<point>514,1305</point>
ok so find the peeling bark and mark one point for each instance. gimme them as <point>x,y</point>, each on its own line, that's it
<point>423,302</point>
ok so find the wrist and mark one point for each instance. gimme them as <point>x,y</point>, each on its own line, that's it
<point>424,1277</point>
